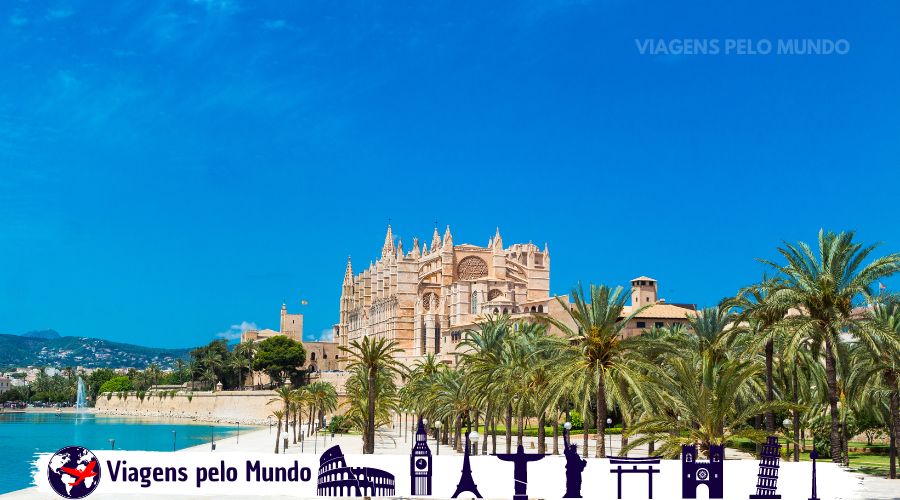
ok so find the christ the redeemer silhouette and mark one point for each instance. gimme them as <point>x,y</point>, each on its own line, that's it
<point>520,472</point>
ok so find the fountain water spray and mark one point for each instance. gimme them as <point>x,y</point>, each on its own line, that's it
<point>79,397</point>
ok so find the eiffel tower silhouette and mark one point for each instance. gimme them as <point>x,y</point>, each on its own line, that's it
<point>466,483</point>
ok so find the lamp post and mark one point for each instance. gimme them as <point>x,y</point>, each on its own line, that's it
<point>608,424</point>
<point>112,444</point>
<point>787,429</point>
<point>269,420</point>
<point>239,433</point>
<point>284,439</point>
<point>437,425</point>
<point>212,437</point>
<point>173,441</point>
<point>474,438</point>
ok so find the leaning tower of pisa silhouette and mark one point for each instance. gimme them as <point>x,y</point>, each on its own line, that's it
<point>767,479</point>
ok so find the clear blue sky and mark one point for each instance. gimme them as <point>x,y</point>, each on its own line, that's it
<point>169,169</point>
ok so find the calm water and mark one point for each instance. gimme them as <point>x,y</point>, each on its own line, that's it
<point>24,434</point>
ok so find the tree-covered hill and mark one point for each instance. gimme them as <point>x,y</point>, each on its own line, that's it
<point>16,350</point>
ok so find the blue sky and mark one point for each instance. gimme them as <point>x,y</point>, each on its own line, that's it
<point>170,169</point>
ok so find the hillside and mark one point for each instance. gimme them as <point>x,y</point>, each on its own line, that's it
<point>18,350</point>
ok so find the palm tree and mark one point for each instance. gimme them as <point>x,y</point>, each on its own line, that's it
<point>153,374</point>
<point>278,414</point>
<point>370,356</point>
<point>706,408</point>
<point>876,370</point>
<point>822,286</point>
<point>597,348</point>
<point>357,391</point>
<point>237,362</point>
<point>285,396</point>
<point>759,321</point>
<point>481,351</point>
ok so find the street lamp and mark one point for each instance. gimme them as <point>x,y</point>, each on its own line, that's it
<point>269,420</point>
<point>437,425</point>
<point>173,441</point>
<point>474,437</point>
<point>787,427</point>
<point>284,439</point>
<point>212,436</point>
<point>112,443</point>
<point>608,424</point>
<point>239,433</point>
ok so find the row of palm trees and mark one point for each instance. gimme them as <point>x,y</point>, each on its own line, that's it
<point>312,401</point>
<point>815,342</point>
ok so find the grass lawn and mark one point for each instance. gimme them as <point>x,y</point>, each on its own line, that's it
<point>876,464</point>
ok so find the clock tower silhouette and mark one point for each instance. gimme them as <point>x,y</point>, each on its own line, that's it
<point>420,464</point>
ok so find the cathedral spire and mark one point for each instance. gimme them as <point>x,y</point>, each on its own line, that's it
<point>448,238</point>
<point>435,239</point>
<point>348,273</point>
<point>415,249</point>
<point>399,248</point>
<point>388,247</point>
<point>498,241</point>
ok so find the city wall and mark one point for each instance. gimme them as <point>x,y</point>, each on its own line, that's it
<point>247,407</point>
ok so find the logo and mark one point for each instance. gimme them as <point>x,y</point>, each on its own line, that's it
<point>74,472</point>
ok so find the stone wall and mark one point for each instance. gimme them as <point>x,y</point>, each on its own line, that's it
<point>247,407</point>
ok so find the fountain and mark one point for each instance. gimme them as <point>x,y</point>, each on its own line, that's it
<point>79,398</point>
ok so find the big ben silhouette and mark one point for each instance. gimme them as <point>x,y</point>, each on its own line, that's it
<point>420,464</point>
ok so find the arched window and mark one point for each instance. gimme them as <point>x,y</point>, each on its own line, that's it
<point>474,302</point>
<point>540,309</point>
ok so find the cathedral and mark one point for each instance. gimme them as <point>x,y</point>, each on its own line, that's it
<point>424,298</point>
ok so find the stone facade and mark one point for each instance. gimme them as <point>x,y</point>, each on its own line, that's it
<point>657,312</point>
<point>425,297</point>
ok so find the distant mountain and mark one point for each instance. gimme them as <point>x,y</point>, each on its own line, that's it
<point>45,350</point>
<point>42,334</point>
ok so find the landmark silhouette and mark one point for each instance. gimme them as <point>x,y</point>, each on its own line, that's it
<point>574,467</point>
<point>420,464</point>
<point>520,471</point>
<point>466,483</point>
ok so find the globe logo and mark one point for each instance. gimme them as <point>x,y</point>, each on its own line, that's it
<point>74,472</point>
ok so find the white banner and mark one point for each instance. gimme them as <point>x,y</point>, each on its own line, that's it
<point>262,474</point>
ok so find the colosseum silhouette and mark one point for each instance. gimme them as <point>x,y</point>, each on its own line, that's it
<point>336,479</point>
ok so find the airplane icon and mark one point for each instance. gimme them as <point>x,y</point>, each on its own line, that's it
<point>81,474</point>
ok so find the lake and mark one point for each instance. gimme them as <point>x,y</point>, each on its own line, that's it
<point>22,435</point>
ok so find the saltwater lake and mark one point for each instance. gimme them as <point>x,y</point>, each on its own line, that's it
<point>22,435</point>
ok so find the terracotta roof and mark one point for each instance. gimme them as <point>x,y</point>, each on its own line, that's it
<point>662,311</point>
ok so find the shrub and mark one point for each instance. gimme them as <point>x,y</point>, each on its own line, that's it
<point>190,396</point>
<point>117,384</point>
<point>576,420</point>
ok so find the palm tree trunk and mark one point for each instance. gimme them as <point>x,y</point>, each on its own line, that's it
<point>487,417</point>
<point>509,428</point>
<point>893,451</point>
<point>520,428</point>
<point>494,433</point>
<point>542,436</point>
<point>831,381</point>
<point>556,436</point>
<point>277,436</point>
<point>796,415</point>
<point>845,442</point>
<point>624,439</point>
<point>370,417</point>
<point>475,447</point>
<point>770,386</point>
<point>601,415</point>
